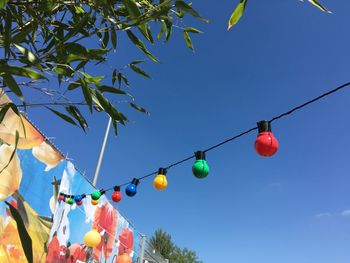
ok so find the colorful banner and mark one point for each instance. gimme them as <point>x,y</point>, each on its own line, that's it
<point>30,179</point>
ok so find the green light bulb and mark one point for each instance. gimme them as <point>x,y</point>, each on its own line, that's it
<point>96,195</point>
<point>200,168</point>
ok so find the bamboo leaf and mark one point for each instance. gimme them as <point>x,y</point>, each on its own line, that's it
<point>132,8</point>
<point>3,3</point>
<point>137,107</point>
<point>188,9</point>
<point>188,40</point>
<point>20,71</point>
<point>63,116</point>
<point>237,13</point>
<point>161,31</point>
<point>12,85</point>
<point>26,241</point>
<point>139,44</point>
<point>318,5</point>
<point>114,38</point>
<point>193,30</point>
<point>114,76</point>
<point>86,93</point>
<point>139,71</point>
<point>76,114</point>
<point>29,55</point>
<point>110,89</point>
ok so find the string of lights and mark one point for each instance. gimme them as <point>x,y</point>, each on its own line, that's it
<point>265,145</point>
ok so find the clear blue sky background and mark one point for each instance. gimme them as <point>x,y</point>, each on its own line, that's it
<point>289,208</point>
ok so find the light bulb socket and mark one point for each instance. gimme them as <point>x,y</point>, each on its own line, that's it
<point>264,126</point>
<point>200,155</point>
<point>102,191</point>
<point>162,171</point>
<point>135,181</point>
<point>83,196</point>
<point>116,188</point>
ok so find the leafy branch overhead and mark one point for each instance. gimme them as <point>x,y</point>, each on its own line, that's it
<point>53,48</point>
<point>239,10</point>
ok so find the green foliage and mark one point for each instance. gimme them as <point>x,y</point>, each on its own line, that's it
<point>162,243</point>
<point>184,256</point>
<point>26,241</point>
<point>59,43</point>
<point>239,10</point>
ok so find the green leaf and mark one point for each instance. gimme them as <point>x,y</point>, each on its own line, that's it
<point>193,30</point>
<point>139,44</point>
<point>188,9</point>
<point>161,31</point>
<point>237,14</point>
<point>5,108</point>
<point>3,3</point>
<point>114,37</point>
<point>63,116</point>
<point>65,71</point>
<point>169,30</point>
<point>20,71</point>
<point>87,93</point>
<point>73,85</point>
<point>89,79</point>
<point>318,5</point>
<point>105,39</point>
<point>28,55</point>
<point>139,71</point>
<point>188,40</point>
<point>76,114</point>
<point>114,76</point>
<point>137,107</point>
<point>132,8</point>
<point>12,85</point>
<point>26,241</point>
<point>110,89</point>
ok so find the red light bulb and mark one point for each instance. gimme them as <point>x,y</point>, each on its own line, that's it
<point>265,144</point>
<point>116,196</point>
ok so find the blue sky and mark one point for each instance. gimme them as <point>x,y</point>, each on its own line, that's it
<point>289,208</point>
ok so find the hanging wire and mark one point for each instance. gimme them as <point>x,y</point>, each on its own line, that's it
<point>235,137</point>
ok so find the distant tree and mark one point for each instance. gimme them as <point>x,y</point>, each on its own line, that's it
<point>184,256</point>
<point>161,242</point>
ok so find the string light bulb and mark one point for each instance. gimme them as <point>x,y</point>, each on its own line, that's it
<point>265,144</point>
<point>117,195</point>
<point>131,189</point>
<point>92,238</point>
<point>79,199</point>
<point>200,167</point>
<point>95,196</point>
<point>61,196</point>
<point>160,182</point>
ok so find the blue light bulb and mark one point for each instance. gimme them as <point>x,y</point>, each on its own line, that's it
<point>131,189</point>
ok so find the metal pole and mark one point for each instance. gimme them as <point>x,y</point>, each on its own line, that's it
<point>98,166</point>
<point>142,252</point>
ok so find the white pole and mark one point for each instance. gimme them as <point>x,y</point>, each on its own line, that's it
<point>98,166</point>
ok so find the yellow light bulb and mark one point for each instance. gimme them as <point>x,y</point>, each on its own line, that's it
<point>94,202</point>
<point>160,182</point>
